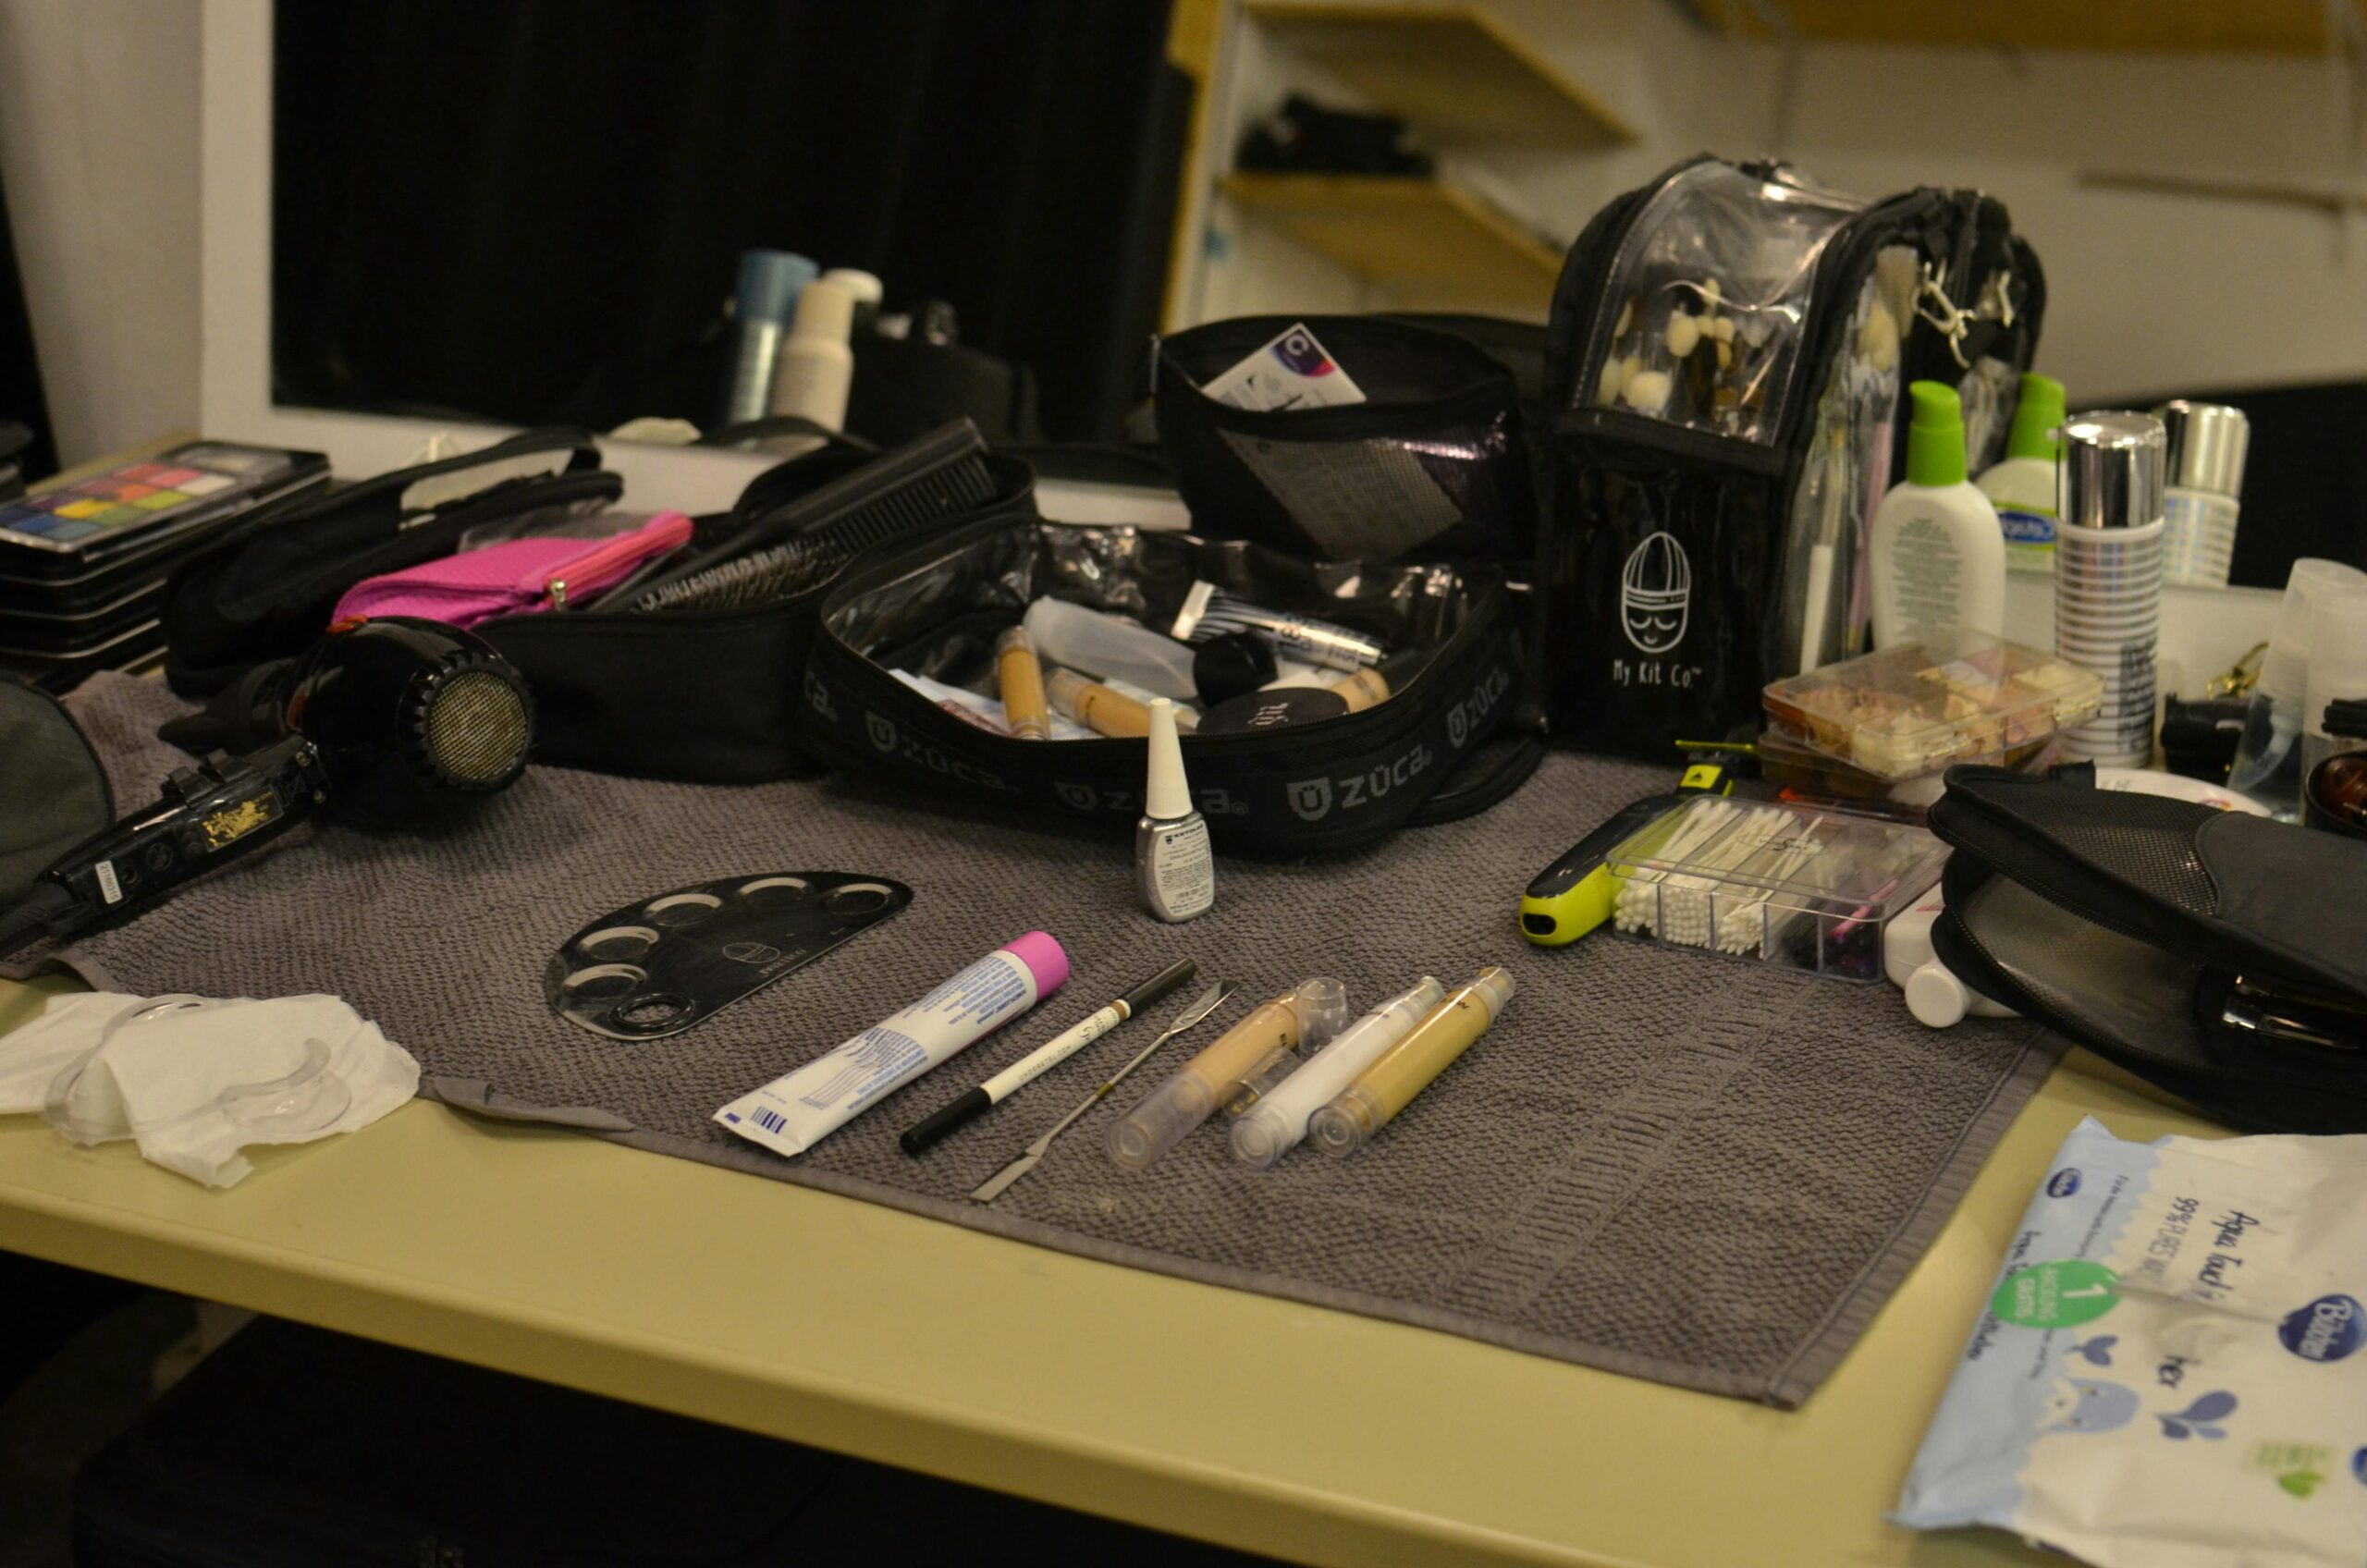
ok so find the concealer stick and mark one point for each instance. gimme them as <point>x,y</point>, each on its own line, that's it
<point>1106,710</point>
<point>1020,682</point>
<point>1389,1085</point>
<point>1304,1017</point>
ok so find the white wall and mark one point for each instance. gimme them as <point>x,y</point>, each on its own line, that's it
<point>99,148</point>
<point>2146,293</point>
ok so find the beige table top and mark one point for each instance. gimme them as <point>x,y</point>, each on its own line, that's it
<point>1308,1434</point>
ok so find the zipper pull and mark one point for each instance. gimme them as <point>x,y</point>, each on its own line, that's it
<point>559,592</point>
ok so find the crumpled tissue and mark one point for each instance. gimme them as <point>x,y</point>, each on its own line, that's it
<point>194,1081</point>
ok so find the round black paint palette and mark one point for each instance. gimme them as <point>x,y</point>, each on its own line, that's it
<point>659,966</point>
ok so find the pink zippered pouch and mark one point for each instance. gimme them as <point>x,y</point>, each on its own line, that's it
<point>517,578</point>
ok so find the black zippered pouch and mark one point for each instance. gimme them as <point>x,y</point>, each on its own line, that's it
<point>2221,955</point>
<point>1433,463</point>
<point>267,589</point>
<point>1727,355</point>
<point>1330,784</point>
<point>712,696</point>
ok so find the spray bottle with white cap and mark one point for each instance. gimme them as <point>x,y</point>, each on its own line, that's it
<point>2109,578</point>
<point>1172,864</point>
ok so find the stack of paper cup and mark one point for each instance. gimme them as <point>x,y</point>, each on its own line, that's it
<point>2205,476</point>
<point>2108,576</point>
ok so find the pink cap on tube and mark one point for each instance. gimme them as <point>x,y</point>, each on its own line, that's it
<point>1044,958</point>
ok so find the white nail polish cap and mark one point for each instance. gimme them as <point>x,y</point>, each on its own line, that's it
<point>1166,795</point>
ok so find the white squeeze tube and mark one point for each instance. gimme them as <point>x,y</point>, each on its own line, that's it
<point>1274,1126</point>
<point>792,1114</point>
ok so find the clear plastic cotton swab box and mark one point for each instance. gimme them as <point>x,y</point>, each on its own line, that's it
<point>1782,884</point>
<point>1945,698</point>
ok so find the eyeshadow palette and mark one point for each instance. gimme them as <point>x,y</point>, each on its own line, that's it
<point>141,502</point>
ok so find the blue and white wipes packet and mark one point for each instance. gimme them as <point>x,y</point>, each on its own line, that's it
<point>2171,1370</point>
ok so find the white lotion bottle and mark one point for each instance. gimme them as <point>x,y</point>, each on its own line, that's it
<point>816,367</point>
<point>2021,484</point>
<point>1938,556</point>
<point>1174,866</point>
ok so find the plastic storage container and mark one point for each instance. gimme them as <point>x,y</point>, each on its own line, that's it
<point>1789,765</point>
<point>1804,888</point>
<point>1945,698</point>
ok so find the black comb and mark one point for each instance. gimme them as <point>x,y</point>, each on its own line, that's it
<point>803,543</point>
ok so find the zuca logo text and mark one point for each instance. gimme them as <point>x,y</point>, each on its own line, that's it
<point>918,752</point>
<point>1464,717</point>
<point>1313,799</point>
<point>2328,1330</point>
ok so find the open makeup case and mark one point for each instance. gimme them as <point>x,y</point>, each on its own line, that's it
<point>936,608</point>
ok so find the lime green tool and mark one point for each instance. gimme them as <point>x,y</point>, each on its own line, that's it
<point>1573,894</point>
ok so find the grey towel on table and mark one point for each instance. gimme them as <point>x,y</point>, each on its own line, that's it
<point>1664,1163</point>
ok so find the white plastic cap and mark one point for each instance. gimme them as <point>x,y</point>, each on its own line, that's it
<point>825,309</point>
<point>1166,794</point>
<point>1937,996</point>
<point>1907,940</point>
<point>865,287</point>
<point>2338,651</point>
<point>2283,671</point>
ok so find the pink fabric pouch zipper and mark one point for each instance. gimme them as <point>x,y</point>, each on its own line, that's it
<point>518,578</point>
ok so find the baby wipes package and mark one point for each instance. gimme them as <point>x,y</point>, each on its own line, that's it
<point>2168,1372</point>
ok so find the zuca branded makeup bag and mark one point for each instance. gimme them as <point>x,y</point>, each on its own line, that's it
<point>2209,951</point>
<point>1432,463</point>
<point>1422,754</point>
<point>1726,361</point>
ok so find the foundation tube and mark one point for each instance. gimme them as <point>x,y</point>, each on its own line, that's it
<point>792,1114</point>
<point>1019,681</point>
<point>1274,1127</point>
<point>1242,1057</point>
<point>1389,1085</point>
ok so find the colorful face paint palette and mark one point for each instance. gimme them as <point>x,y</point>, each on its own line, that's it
<point>189,488</point>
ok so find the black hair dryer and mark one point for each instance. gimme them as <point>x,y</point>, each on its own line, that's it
<point>390,722</point>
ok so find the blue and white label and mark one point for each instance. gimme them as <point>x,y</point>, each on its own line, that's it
<point>2025,527</point>
<point>2064,1182</point>
<point>2328,1330</point>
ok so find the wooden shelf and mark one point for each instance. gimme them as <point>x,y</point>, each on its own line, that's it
<point>2171,26</point>
<point>1428,243</point>
<point>1454,72</point>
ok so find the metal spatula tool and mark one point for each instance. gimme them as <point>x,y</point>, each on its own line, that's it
<point>1206,1003</point>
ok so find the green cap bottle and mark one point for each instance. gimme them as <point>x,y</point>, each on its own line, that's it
<point>1935,439</point>
<point>2036,419</point>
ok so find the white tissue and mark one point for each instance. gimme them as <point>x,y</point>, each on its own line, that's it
<point>195,1082</point>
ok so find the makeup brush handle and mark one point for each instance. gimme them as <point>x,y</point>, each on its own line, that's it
<point>933,1128</point>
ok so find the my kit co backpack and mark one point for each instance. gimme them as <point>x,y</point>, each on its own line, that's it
<point>1727,359</point>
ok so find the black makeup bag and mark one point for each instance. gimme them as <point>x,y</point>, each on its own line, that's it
<point>1423,755</point>
<point>1433,463</point>
<point>266,590</point>
<point>1727,356</point>
<point>712,696</point>
<point>2220,955</point>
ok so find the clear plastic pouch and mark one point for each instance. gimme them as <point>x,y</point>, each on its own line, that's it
<point>1714,280</point>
